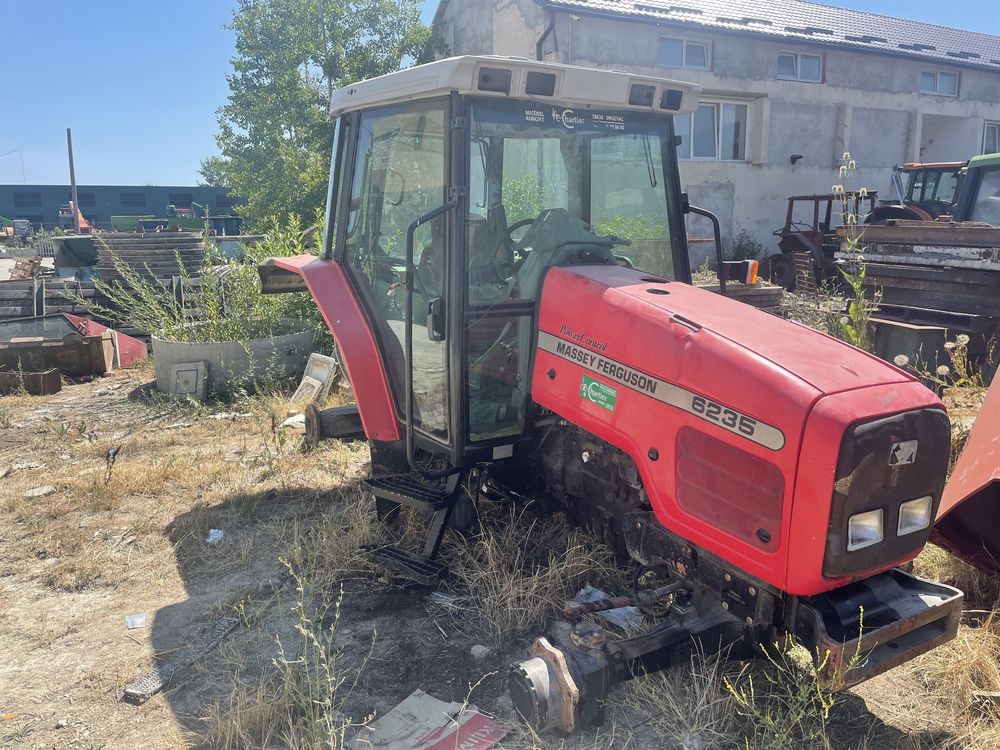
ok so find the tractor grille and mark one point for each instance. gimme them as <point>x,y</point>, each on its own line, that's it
<point>879,467</point>
<point>729,488</point>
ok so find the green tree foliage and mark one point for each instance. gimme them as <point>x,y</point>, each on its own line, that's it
<point>275,130</point>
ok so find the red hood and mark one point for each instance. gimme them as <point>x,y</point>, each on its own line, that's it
<point>790,346</point>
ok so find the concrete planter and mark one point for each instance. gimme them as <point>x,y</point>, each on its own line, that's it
<point>232,363</point>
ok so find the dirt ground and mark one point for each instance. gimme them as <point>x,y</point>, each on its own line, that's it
<point>86,541</point>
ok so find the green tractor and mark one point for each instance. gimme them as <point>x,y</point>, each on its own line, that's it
<point>192,219</point>
<point>979,194</point>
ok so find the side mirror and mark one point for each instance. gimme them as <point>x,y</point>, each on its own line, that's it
<point>743,271</point>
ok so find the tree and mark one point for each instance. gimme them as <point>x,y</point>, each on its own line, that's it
<point>275,131</point>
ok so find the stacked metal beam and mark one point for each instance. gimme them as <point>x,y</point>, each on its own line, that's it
<point>152,256</point>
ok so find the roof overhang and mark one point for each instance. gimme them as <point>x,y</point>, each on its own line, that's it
<point>511,78</point>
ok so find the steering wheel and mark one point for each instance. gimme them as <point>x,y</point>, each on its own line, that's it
<point>518,225</point>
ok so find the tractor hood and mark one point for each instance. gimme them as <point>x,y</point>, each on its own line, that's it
<point>826,364</point>
<point>745,403</point>
<point>968,522</point>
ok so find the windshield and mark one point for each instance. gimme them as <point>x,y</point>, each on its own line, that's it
<point>928,185</point>
<point>555,183</point>
<point>987,205</point>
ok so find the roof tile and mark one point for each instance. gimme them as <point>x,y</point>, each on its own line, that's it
<point>797,19</point>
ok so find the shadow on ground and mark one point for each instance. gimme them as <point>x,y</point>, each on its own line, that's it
<point>417,643</point>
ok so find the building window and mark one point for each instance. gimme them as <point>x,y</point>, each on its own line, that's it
<point>717,130</point>
<point>180,200</point>
<point>991,138</point>
<point>938,82</point>
<point>87,200</point>
<point>796,66</point>
<point>225,202</point>
<point>132,200</point>
<point>680,53</point>
<point>27,200</point>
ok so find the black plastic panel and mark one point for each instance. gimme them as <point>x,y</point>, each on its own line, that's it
<point>868,477</point>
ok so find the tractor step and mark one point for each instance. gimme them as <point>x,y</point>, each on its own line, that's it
<point>426,572</point>
<point>410,490</point>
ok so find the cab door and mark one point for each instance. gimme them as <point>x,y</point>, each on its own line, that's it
<point>397,174</point>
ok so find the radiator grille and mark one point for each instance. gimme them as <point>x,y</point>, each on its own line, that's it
<point>729,488</point>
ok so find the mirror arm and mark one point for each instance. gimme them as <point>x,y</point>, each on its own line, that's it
<point>718,242</point>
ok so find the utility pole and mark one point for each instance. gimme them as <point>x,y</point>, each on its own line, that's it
<point>72,181</point>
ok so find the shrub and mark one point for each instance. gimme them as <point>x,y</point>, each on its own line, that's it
<point>745,247</point>
<point>227,302</point>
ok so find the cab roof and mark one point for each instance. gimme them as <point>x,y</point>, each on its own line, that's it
<point>942,165</point>
<point>984,160</point>
<point>519,78</point>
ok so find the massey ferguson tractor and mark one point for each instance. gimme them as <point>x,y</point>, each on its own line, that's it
<point>505,271</point>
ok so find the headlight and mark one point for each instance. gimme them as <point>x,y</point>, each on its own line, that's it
<point>914,515</point>
<point>864,529</point>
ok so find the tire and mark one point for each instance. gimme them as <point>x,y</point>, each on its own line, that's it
<point>779,269</point>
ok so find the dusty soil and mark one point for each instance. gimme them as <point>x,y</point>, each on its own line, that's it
<point>107,540</point>
<point>77,561</point>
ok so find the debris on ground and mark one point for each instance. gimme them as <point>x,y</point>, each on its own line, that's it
<point>296,422</point>
<point>317,380</point>
<point>134,622</point>
<point>422,722</point>
<point>43,491</point>
<point>141,690</point>
<point>42,383</point>
<point>214,536</point>
<point>626,618</point>
<point>479,652</point>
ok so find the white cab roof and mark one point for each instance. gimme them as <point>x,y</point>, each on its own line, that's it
<point>518,78</point>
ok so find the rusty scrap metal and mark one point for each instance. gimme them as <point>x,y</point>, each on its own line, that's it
<point>646,599</point>
<point>33,383</point>
<point>338,423</point>
<point>74,346</point>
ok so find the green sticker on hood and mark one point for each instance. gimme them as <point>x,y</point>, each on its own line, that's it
<point>598,393</point>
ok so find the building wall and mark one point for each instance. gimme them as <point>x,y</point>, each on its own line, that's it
<point>868,105</point>
<point>98,203</point>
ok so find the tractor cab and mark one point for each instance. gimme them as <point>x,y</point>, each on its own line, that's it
<point>930,191</point>
<point>454,187</point>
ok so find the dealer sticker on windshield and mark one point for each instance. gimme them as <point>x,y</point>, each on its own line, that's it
<point>598,393</point>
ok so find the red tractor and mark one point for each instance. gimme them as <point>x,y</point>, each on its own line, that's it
<point>505,271</point>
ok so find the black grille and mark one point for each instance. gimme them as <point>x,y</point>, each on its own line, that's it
<point>873,472</point>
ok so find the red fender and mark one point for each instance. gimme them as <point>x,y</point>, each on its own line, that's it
<point>346,320</point>
<point>968,522</point>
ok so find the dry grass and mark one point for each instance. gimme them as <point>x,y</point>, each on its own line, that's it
<point>300,702</point>
<point>328,549</point>
<point>518,569</point>
<point>982,590</point>
<point>687,707</point>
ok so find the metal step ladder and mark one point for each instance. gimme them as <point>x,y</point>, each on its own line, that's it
<point>436,498</point>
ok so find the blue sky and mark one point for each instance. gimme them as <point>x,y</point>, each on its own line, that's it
<point>139,82</point>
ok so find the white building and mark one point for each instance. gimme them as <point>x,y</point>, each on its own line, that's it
<point>789,86</point>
